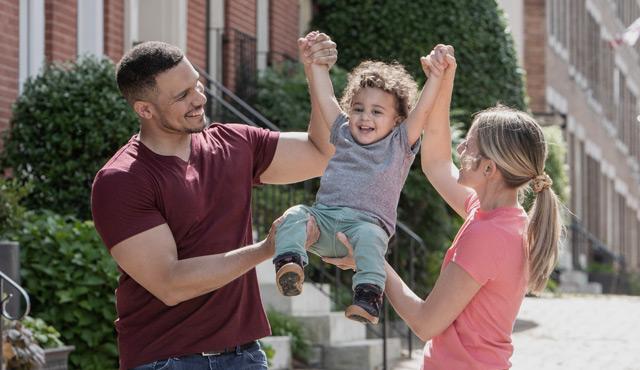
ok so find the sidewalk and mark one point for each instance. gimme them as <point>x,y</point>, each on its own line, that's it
<point>573,332</point>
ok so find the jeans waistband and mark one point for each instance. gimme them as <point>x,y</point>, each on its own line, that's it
<point>230,350</point>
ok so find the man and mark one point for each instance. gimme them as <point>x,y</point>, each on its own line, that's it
<point>174,208</point>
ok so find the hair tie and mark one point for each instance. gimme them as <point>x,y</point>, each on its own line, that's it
<point>541,182</point>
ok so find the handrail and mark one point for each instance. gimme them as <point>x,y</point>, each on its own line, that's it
<point>264,122</point>
<point>4,301</point>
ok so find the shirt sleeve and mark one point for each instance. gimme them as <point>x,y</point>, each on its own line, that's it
<point>410,150</point>
<point>335,127</point>
<point>122,206</point>
<point>478,252</point>
<point>263,145</point>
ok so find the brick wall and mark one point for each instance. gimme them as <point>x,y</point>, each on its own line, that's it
<point>283,32</point>
<point>114,29</point>
<point>197,33</point>
<point>240,16</point>
<point>60,29</point>
<point>535,44</point>
<point>9,59</point>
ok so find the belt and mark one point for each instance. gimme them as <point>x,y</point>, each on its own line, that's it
<point>236,349</point>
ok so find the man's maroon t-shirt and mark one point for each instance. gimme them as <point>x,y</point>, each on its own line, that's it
<point>207,204</point>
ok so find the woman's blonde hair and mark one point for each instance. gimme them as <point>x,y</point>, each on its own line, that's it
<point>515,142</point>
<point>391,78</point>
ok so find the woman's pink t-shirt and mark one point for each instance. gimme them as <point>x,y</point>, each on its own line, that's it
<point>490,247</point>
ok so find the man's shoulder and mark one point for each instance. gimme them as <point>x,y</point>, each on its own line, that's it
<point>125,165</point>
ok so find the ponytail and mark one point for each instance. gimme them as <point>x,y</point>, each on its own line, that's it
<point>543,234</point>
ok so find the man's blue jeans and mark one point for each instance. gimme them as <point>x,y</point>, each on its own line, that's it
<point>252,358</point>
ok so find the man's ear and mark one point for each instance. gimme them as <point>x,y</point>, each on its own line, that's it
<point>143,109</point>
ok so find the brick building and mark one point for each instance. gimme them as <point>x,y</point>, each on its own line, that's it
<point>231,40</point>
<point>574,71</point>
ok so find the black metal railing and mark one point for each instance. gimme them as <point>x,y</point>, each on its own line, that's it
<point>245,61</point>
<point>270,201</point>
<point>602,264</point>
<point>5,297</point>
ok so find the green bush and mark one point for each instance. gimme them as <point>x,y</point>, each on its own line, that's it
<point>404,30</point>
<point>71,280</point>
<point>282,324</point>
<point>64,127</point>
<point>10,209</point>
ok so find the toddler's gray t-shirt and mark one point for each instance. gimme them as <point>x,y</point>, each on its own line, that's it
<point>368,177</point>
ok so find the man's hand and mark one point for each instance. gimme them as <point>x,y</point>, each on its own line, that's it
<point>313,233</point>
<point>347,262</point>
<point>270,241</point>
<point>317,48</point>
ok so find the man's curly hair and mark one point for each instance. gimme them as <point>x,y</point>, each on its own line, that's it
<point>392,78</point>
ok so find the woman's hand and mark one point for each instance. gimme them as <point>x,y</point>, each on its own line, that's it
<point>347,262</point>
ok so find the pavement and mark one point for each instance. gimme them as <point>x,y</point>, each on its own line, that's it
<point>582,332</point>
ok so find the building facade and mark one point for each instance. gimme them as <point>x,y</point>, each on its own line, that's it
<point>230,40</point>
<point>574,70</point>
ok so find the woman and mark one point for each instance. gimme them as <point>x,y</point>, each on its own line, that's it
<point>500,253</point>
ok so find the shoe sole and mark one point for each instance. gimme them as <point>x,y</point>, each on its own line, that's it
<point>289,279</point>
<point>357,313</point>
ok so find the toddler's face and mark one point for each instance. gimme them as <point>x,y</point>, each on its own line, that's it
<point>372,115</point>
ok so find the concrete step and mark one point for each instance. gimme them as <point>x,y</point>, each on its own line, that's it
<point>573,281</point>
<point>361,355</point>
<point>332,328</point>
<point>282,348</point>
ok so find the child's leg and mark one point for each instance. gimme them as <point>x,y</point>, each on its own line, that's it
<point>292,233</point>
<point>369,247</point>
<point>291,257</point>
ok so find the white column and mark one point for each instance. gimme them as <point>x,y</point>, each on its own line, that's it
<point>130,24</point>
<point>31,35</point>
<point>90,27</point>
<point>216,30</point>
<point>262,33</point>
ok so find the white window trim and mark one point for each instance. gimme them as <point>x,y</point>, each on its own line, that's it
<point>262,33</point>
<point>90,27</point>
<point>31,39</point>
<point>130,23</point>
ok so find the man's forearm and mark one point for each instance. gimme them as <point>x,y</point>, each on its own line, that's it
<point>192,277</point>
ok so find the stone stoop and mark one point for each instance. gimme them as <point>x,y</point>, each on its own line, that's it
<point>338,343</point>
<point>282,347</point>
<point>574,281</point>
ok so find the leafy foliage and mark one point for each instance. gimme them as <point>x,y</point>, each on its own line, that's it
<point>282,324</point>
<point>64,127</point>
<point>10,209</point>
<point>71,279</point>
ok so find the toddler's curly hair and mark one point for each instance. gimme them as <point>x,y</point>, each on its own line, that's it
<point>392,78</point>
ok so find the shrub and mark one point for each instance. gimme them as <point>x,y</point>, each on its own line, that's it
<point>282,324</point>
<point>10,209</point>
<point>65,125</point>
<point>71,280</point>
